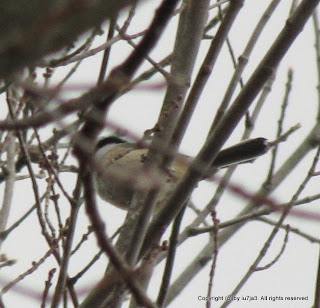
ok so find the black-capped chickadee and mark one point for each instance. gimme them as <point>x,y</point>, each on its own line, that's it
<point>122,170</point>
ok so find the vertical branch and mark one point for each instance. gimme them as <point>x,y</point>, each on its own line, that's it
<point>317,54</point>
<point>170,259</point>
<point>205,71</point>
<point>257,109</point>
<point>9,186</point>
<point>317,285</point>
<point>188,37</point>
<point>214,253</point>
<point>280,127</point>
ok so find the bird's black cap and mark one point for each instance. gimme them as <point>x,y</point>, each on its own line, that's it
<point>108,140</point>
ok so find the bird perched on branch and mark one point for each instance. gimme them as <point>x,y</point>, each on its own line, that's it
<point>122,171</point>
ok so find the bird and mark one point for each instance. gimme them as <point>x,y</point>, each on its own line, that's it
<point>122,170</point>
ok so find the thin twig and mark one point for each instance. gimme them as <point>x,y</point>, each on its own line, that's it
<point>166,277</point>
<point>48,284</point>
<point>214,254</point>
<point>69,235</point>
<point>92,52</point>
<point>74,279</point>
<point>82,48</point>
<point>277,257</point>
<point>316,28</point>
<point>106,53</point>
<point>243,60</point>
<point>35,266</point>
<point>310,238</point>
